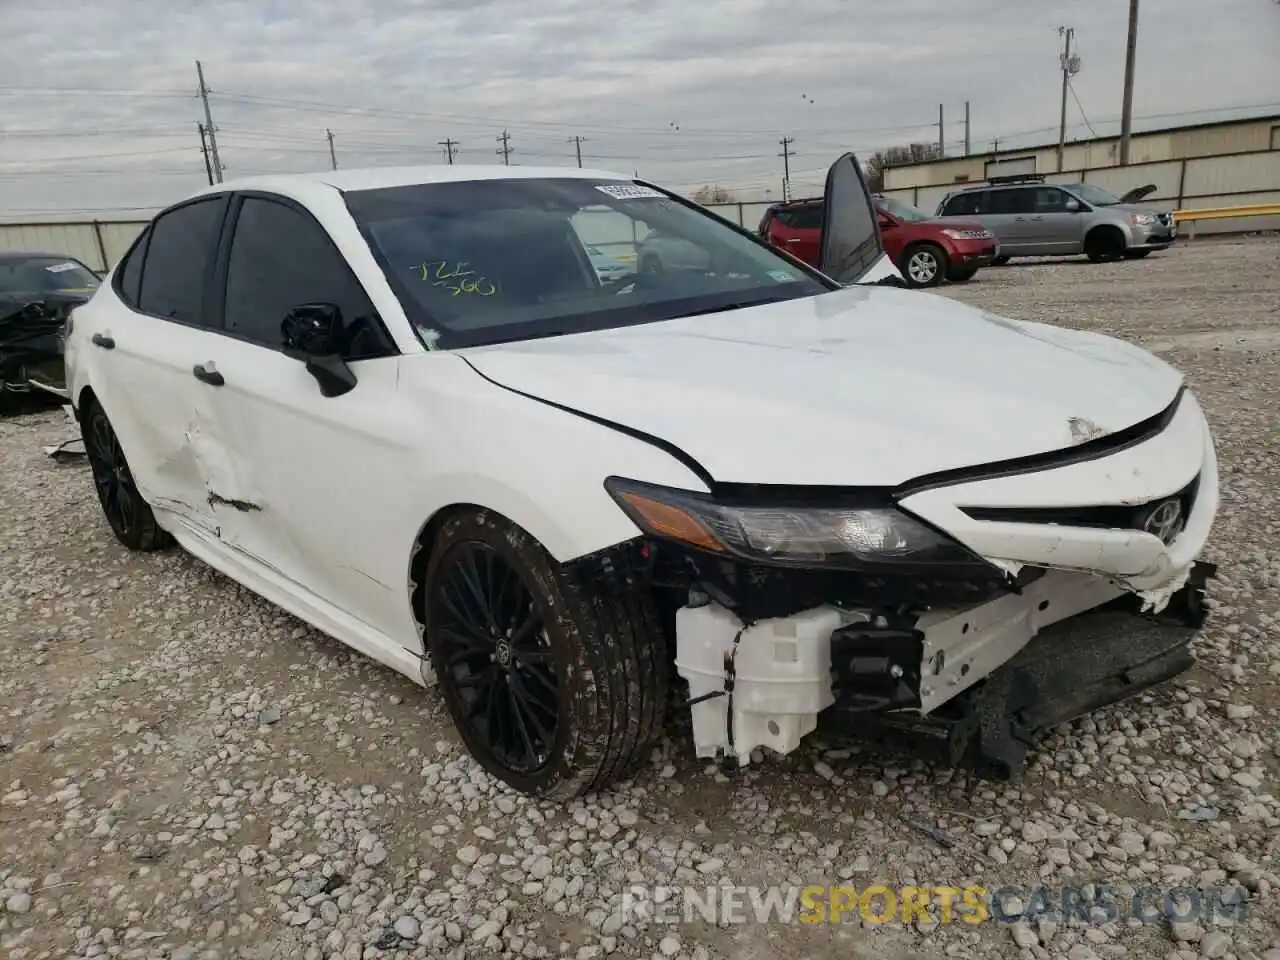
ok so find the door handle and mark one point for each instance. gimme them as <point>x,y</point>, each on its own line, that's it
<point>1019,219</point>
<point>795,240</point>
<point>103,341</point>
<point>205,373</point>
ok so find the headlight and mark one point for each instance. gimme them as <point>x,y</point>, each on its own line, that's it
<point>1144,219</point>
<point>851,538</point>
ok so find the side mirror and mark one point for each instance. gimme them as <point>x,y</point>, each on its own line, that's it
<point>1072,205</point>
<point>314,334</point>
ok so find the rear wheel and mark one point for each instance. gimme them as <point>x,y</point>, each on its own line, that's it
<point>557,685</point>
<point>131,519</point>
<point>1000,261</point>
<point>1104,243</point>
<point>962,276</point>
<point>924,265</point>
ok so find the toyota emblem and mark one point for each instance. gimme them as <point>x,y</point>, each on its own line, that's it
<point>1164,521</point>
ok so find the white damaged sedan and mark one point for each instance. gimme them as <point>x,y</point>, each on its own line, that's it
<point>402,405</point>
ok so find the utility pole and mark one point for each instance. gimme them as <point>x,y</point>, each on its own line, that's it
<point>577,143</point>
<point>966,128</point>
<point>505,149</point>
<point>204,149</point>
<point>210,129</point>
<point>333,157</point>
<point>942,142</point>
<point>786,166</point>
<point>448,144</point>
<point>1068,68</point>
<point>1130,56</point>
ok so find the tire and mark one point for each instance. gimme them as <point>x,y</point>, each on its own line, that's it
<point>924,265</point>
<point>650,265</point>
<point>1000,261</point>
<point>595,657</point>
<point>963,276</point>
<point>129,516</point>
<point>1135,254</point>
<point>1103,244</point>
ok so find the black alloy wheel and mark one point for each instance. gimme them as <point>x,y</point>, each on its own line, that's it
<point>495,657</point>
<point>556,679</point>
<point>126,511</point>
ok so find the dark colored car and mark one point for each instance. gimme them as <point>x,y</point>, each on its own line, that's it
<point>925,250</point>
<point>37,292</point>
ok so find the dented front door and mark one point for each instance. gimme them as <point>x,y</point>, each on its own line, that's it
<point>163,415</point>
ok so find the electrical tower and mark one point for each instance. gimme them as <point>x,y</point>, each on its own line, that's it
<point>505,149</point>
<point>1070,63</point>
<point>448,144</point>
<point>577,144</point>
<point>208,125</point>
<point>333,157</point>
<point>786,166</point>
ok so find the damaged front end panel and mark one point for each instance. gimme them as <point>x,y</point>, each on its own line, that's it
<point>979,682</point>
<point>788,610</point>
<point>32,338</point>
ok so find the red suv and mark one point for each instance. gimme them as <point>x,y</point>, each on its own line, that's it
<point>924,250</point>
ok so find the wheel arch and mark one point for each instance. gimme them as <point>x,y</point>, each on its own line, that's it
<point>1106,230</point>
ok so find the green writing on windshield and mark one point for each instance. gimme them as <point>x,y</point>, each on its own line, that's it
<point>456,277</point>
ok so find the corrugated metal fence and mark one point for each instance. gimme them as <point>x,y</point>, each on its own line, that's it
<point>1222,181</point>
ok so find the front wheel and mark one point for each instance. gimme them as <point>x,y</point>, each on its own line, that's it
<point>1135,254</point>
<point>924,265</point>
<point>557,685</point>
<point>129,516</point>
<point>963,276</point>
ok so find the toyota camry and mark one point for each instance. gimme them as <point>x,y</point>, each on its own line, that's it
<point>402,405</point>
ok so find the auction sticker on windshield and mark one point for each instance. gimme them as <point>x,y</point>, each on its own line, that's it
<point>629,191</point>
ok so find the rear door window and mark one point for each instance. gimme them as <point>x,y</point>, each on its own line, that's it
<point>179,256</point>
<point>808,218</point>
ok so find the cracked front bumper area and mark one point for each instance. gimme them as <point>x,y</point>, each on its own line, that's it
<point>976,684</point>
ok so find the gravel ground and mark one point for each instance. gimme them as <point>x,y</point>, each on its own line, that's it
<point>187,772</point>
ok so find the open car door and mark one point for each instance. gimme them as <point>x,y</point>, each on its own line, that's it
<point>851,249</point>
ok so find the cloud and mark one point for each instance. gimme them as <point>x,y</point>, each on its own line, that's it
<point>100,110</point>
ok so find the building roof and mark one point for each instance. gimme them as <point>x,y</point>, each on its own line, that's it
<point>1157,131</point>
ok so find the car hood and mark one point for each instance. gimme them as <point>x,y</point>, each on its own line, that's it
<point>867,386</point>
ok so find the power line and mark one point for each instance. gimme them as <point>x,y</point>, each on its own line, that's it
<point>1080,106</point>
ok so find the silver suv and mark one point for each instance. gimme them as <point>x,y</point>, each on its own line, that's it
<point>1032,218</point>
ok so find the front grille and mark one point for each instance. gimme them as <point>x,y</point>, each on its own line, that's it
<point>1108,517</point>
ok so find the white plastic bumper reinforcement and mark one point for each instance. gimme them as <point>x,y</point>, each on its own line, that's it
<point>782,677</point>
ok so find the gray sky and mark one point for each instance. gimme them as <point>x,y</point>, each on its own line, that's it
<point>98,109</point>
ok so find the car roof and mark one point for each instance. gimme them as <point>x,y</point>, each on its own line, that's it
<point>374,178</point>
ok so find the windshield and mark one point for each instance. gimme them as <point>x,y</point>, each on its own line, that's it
<point>491,261</point>
<point>1094,196</point>
<point>903,211</point>
<point>37,275</point>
